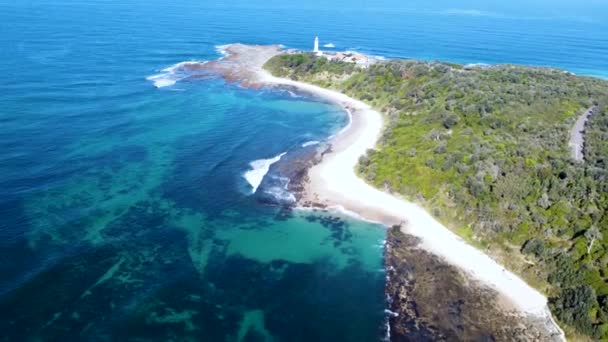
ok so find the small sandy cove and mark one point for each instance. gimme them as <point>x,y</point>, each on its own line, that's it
<point>335,183</point>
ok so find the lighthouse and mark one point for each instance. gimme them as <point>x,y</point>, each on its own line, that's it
<point>316,47</point>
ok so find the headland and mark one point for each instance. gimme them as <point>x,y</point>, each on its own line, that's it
<point>333,183</point>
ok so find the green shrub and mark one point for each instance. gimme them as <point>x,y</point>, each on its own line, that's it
<point>573,307</point>
<point>489,147</point>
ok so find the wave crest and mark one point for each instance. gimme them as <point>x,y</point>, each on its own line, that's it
<point>310,143</point>
<point>259,169</point>
<point>169,76</point>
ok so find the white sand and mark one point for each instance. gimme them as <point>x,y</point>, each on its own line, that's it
<point>334,181</point>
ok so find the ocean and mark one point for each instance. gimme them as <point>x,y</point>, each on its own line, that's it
<point>131,200</point>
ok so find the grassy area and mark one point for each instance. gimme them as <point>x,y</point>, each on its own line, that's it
<point>485,150</point>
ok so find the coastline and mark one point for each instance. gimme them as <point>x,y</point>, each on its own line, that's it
<point>334,183</point>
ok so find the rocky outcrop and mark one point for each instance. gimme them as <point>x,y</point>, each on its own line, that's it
<point>285,184</point>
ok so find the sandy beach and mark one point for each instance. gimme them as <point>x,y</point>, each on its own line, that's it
<point>334,183</point>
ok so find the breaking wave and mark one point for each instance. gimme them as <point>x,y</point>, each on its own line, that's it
<point>222,50</point>
<point>259,169</point>
<point>293,95</point>
<point>478,65</point>
<point>278,191</point>
<point>310,143</point>
<point>169,76</point>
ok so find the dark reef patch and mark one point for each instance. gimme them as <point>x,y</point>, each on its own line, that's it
<point>430,300</point>
<point>286,180</point>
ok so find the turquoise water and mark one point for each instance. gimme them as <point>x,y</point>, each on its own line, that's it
<point>124,210</point>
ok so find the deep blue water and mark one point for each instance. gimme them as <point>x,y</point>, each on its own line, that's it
<point>124,212</point>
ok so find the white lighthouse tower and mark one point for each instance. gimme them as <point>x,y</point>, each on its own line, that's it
<point>316,47</point>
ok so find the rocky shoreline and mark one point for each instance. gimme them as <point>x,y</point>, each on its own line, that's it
<point>430,300</point>
<point>295,167</point>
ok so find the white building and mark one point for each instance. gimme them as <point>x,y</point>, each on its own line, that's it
<point>316,47</point>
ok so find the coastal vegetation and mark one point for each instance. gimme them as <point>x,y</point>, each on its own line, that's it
<point>485,150</point>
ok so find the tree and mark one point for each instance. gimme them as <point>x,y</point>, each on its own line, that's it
<point>543,201</point>
<point>573,306</point>
<point>534,246</point>
<point>450,120</point>
<point>592,234</point>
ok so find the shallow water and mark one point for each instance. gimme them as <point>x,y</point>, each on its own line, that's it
<point>124,209</point>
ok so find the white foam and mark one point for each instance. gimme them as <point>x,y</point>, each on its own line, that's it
<point>310,143</point>
<point>259,169</point>
<point>292,94</point>
<point>161,80</point>
<point>380,244</point>
<point>387,326</point>
<point>222,50</point>
<point>280,191</point>
<point>346,212</point>
<point>390,313</point>
<point>347,127</point>
<point>478,65</point>
<point>171,75</point>
<point>281,195</point>
<point>329,45</point>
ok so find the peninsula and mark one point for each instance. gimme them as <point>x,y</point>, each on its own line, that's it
<point>483,151</point>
